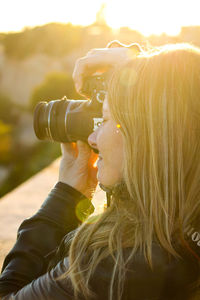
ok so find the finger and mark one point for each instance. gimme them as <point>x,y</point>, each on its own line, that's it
<point>84,152</point>
<point>87,66</point>
<point>133,46</point>
<point>93,175</point>
<point>69,149</point>
<point>78,73</point>
<point>93,167</point>
<point>66,147</point>
<point>95,51</point>
<point>115,44</point>
<point>75,149</point>
<point>93,158</point>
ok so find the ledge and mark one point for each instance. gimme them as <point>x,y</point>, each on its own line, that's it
<point>25,200</point>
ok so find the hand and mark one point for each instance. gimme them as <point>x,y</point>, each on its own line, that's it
<point>77,167</point>
<point>102,59</point>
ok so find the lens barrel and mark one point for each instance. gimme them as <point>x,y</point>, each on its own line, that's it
<point>71,120</point>
<point>65,120</point>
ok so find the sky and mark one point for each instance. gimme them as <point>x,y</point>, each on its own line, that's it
<point>147,16</point>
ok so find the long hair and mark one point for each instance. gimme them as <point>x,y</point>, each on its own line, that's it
<point>156,100</point>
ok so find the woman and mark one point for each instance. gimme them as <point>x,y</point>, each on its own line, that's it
<point>146,243</point>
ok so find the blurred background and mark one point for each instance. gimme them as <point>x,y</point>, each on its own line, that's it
<point>40,41</point>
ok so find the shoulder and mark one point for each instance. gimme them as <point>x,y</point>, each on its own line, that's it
<point>169,277</point>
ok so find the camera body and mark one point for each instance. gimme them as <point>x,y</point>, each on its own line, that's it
<point>68,120</point>
<point>71,120</point>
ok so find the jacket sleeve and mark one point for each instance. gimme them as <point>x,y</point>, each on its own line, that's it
<point>40,235</point>
<point>46,287</point>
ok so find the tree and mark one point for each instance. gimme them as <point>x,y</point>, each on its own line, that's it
<point>55,86</point>
<point>6,142</point>
<point>53,39</point>
<point>9,111</point>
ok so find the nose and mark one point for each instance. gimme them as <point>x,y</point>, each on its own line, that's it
<point>92,140</point>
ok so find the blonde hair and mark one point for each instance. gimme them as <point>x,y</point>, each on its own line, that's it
<point>156,100</point>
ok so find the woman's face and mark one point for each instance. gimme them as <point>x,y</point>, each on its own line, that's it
<point>107,139</point>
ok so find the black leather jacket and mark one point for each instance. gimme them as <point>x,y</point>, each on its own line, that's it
<point>25,273</point>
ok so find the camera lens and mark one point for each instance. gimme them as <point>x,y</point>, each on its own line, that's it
<point>71,120</point>
<point>49,120</point>
<point>65,120</point>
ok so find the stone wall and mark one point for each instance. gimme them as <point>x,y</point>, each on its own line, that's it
<point>25,200</point>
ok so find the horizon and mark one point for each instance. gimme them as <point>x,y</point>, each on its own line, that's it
<point>148,18</point>
<point>93,24</point>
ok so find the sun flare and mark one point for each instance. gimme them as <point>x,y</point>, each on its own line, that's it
<point>147,17</point>
<point>153,17</point>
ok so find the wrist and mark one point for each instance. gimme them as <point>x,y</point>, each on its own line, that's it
<point>66,188</point>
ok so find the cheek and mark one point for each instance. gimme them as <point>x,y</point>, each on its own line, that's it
<point>110,168</point>
<point>117,154</point>
<point>110,143</point>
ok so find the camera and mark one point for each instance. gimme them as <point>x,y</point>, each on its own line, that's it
<point>68,120</point>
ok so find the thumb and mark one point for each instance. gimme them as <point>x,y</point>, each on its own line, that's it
<point>115,44</point>
<point>84,152</point>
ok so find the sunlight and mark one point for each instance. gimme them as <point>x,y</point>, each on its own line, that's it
<point>147,17</point>
<point>153,17</point>
<point>15,15</point>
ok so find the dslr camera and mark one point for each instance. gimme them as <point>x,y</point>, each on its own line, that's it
<point>71,120</point>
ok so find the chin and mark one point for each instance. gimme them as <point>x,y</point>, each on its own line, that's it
<point>105,181</point>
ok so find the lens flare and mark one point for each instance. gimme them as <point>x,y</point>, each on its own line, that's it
<point>83,209</point>
<point>128,77</point>
<point>95,164</point>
